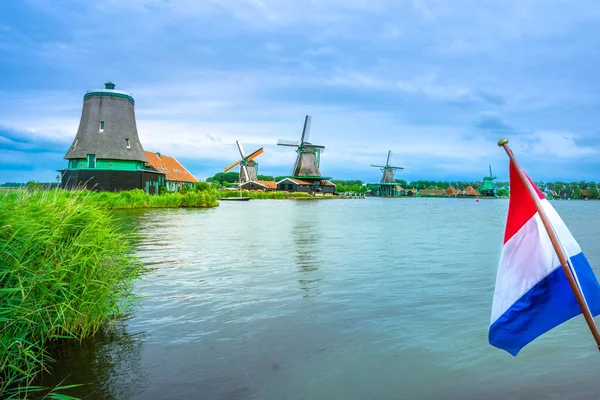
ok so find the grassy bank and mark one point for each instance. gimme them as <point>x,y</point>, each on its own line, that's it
<point>65,272</point>
<point>270,195</point>
<point>137,198</point>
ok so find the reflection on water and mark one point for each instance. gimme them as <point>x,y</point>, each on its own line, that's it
<point>109,365</point>
<point>306,227</point>
<point>378,298</point>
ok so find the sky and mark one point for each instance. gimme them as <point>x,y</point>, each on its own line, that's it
<point>436,82</point>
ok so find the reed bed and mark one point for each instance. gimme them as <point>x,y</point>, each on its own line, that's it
<point>137,198</point>
<point>66,271</point>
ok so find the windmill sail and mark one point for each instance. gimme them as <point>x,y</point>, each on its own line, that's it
<point>247,164</point>
<point>307,162</point>
<point>387,185</point>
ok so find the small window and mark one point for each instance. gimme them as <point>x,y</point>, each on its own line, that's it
<point>73,164</point>
<point>101,127</point>
<point>127,143</point>
<point>91,160</point>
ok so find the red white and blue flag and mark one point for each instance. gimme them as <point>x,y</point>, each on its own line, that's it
<point>532,293</point>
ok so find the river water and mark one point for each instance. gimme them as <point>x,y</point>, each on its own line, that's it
<point>338,299</point>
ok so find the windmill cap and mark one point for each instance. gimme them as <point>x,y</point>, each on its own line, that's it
<point>109,90</point>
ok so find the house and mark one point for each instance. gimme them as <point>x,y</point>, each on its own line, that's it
<point>176,174</point>
<point>431,192</point>
<point>298,185</point>
<point>411,192</point>
<point>470,191</point>
<point>267,186</point>
<point>451,191</point>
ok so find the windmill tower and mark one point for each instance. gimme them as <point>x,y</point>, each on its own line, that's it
<point>247,164</point>
<point>106,153</point>
<point>309,155</point>
<point>488,188</point>
<point>388,182</point>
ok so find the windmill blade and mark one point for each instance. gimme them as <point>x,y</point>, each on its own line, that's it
<point>245,172</point>
<point>291,143</point>
<point>395,167</point>
<point>232,165</point>
<point>388,159</point>
<point>240,148</point>
<point>491,174</point>
<point>377,166</point>
<point>316,146</point>
<point>255,154</point>
<point>306,129</point>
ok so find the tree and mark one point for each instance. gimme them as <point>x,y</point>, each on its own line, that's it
<point>224,177</point>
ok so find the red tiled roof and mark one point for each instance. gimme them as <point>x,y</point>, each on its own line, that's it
<point>269,184</point>
<point>450,191</point>
<point>431,191</point>
<point>170,166</point>
<point>470,191</point>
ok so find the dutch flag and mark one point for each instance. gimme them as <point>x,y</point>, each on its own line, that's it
<point>532,293</point>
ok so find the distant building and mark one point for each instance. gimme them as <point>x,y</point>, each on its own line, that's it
<point>311,187</point>
<point>470,191</point>
<point>176,174</point>
<point>451,191</point>
<point>266,186</point>
<point>431,192</point>
<point>106,154</point>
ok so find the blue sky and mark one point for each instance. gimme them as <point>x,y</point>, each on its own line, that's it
<point>437,82</point>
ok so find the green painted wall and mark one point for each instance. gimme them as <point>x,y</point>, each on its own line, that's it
<point>110,94</point>
<point>120,165</point>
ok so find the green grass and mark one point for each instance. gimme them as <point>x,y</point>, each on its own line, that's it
<point>137,198</point>
<point>65,273</point>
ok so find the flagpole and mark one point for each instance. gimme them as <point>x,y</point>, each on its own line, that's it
<point>555,243</point>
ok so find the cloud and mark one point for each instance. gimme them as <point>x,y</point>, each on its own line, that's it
<point>493,122</point>
<point>435,81</point>
<point>15,141</point>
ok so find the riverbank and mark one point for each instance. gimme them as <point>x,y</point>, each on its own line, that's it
<point>137,198</point>
<point>66,272</point>
<point>272,195</point>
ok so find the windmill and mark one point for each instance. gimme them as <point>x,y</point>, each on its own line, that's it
<point>309,155</point>
<point>388,182</point>
<point>247,164</point>
<point>487,188</point>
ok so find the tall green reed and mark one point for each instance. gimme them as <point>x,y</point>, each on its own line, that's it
<point>66,271</point>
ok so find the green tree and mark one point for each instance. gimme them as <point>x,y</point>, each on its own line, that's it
<point>224,177</point>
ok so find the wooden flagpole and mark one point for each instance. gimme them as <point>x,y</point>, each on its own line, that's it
<point>555,243</point>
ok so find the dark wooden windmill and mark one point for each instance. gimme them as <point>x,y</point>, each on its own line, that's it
<point>387,185</point>
<point>309,155</point>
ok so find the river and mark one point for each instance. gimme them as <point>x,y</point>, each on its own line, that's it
<point>339,299</point>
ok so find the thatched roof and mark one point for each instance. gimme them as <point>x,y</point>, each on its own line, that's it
<point>107,128</point>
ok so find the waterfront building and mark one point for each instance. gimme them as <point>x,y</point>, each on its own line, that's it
<point>106,153</point>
